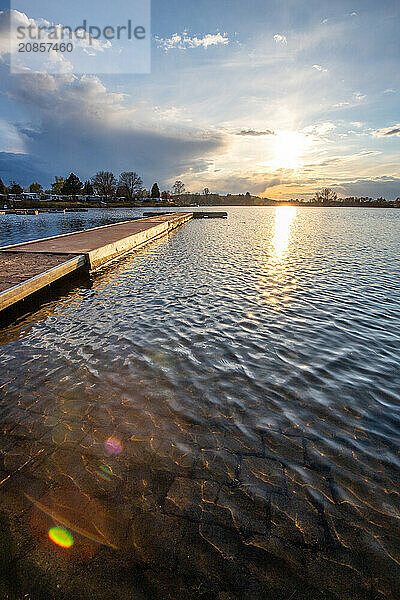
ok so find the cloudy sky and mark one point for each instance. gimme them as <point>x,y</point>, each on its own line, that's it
<point>279,98</point>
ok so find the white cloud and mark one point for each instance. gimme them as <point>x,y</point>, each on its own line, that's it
<point>341,104</point>
<point>19,19</point>
<point>320,129</point>
<point>53,62</point>
<point>184,41</point>
<point>389,91</point>
<point>280,39</point>
<point>319,68</point>
<point>359,96</point>
<point>388,131</point>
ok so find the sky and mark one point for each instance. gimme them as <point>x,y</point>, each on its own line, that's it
<point>279,98</point>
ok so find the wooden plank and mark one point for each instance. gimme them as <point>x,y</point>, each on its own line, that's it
<point>18,267</point>
<point>25,289</point>
<point>55,237</point>
<point>83,242</point>
<point>99,256</point>
<point>196,215</point>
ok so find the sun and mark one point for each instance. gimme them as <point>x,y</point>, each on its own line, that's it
<point>289,149</point>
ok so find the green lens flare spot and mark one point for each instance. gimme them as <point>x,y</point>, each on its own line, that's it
<point>61,537</point>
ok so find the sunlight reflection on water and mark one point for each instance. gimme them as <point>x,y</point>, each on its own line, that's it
<point>222,407</point>
<point>277,280</point>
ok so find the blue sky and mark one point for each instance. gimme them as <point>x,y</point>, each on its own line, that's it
<point>279,98</point>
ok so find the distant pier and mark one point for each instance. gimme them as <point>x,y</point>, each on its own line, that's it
<point>28,268</point>
<point>39,211</point>
<point>196,215</point>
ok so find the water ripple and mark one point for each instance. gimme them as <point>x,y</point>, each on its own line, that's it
<point>250,371</point>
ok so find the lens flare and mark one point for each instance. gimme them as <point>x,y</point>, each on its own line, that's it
<point>113,446</point>
<point>61,537</point>
<point>105,472</point>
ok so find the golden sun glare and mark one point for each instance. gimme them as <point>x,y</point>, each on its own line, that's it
<point>277,280</point>
<point>284,218</point>
<point>289,149</point>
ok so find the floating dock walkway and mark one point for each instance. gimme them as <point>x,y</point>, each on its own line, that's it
<point>196,215</point>
<point>39,211</point>
<point>29,267</point>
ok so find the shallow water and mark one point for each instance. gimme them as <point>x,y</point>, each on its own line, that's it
<point>214,416</point>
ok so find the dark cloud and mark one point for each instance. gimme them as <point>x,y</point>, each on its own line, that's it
<point>388,131</point>
<point>386,186</point>
<point>89,146</point>
<point>78,125</point>
<point>395,131</point>
<point>22,168</point>
<point>255,133</point>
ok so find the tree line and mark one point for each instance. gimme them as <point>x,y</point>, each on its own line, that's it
<point>104,184</point>
<point>129,186</point>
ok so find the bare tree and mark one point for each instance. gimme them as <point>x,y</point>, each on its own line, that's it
<point>132,184</point>
<point>326,195</point>
<point>178,188</point>
<point>104,184</point>
<point>57,185</point>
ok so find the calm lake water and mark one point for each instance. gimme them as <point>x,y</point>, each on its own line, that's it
<point>215,416</point>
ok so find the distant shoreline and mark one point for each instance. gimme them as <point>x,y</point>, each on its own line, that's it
<point>167,205</point>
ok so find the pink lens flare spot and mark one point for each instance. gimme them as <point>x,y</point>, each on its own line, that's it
<point>113,446</point>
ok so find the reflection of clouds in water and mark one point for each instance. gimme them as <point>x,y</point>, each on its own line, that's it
<point>277,280</point>
<point>162,359</point>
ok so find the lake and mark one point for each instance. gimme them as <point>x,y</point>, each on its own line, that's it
<point>215,416</point>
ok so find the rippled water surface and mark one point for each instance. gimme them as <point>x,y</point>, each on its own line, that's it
<point>215,416</point>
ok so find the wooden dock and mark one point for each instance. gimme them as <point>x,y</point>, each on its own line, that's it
<point>27,268</point>
<point>196,215</point>
<point>39,211</point>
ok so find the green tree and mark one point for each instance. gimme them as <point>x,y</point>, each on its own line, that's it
<point>155,191</point>
<point>57,185</point>
<point>131,183</point>
<point>3,189</point>
<point>35,188</point>
<point>88,189</point>
<point>104,184</point>
<point>72,186</point>
<point>15,188</point>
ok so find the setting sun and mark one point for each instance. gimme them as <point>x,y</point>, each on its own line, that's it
<point>289,150</point>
